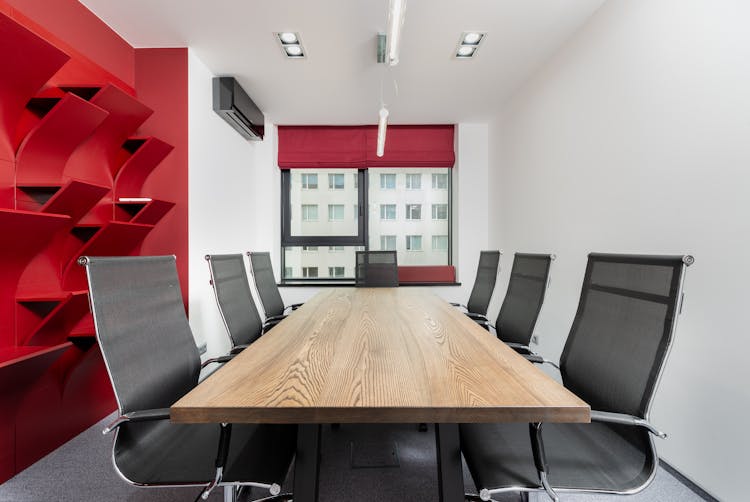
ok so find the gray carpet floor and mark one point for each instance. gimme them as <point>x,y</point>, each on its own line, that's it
<point>357,464</point>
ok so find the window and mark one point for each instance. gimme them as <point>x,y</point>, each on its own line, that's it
<point>309,248</point>
<point>310,272</point>
<point>336,181</point>
<point>356,180</point>
<point>309,181</point>
<point>335,212</point>
<point>414,211</point>
<point>309,212</point>
<point>356,211</point>
<point>335,271</point>
<point>439,181</point>
<point>414,243</point>
<point>387,211</point>
<point>288,272</point>
<point>440,243</point>
<point>440,211</point>
<point>335,249</point>
<point>414,181</point>
<point>387,242</point>
<point>387,181</point>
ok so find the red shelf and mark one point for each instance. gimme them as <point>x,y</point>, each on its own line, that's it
<point>114,239</point>
<point>126,114</point>
<point>29,232</point>
<point>28,62</point>
<point>75,199</point>
<point>134,172</point>
<point>147,213</point>
<point>54,325</point>
<point>84,327</point>
<point>45,150</point>
<point>21,365</point>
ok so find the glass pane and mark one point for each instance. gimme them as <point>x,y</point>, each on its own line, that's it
<point>309,262</point>
<point>319,211</point>
<point>409,212</point>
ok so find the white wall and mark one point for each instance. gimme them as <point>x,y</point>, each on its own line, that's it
<point>635,137</point>
<point>225,215</point>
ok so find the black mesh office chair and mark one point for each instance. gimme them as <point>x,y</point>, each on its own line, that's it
<point>376,269</point>
<point>484,286</point>
<point>523,301</point>
<point>265,284</point>
<point>235,301</point>
<point>613,358</point>
<point>152,361</point>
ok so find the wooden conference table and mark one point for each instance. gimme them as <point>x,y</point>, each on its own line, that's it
<point>378,355</point>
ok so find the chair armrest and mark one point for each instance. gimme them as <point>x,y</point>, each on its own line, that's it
<point>220,359</point>
<point>622,418</point>
<point>293,306</point>
<point>476,317</point>
<point>270,324</point>
<point>485,324</point>
<point>237,349</point>
<point>537,359</point>
<point>275,318</point>
<point>460,305</point>
<point>138,416</point>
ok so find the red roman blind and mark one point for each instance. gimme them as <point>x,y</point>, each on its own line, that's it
<point>354,146</point>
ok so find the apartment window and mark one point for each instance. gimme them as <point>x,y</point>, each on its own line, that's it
<point>336,181</point>
<point>335,249</point>
<point>335,212</point>
<point>439,181</point>
<point>309,181</point>
<point>336,272</point>
<point>388,181</point>
<point>387,242</point>
<point>309,212</point>
<point>288,272</point>
<point>356,211</point>
<point>387,211</point>
<point>440,243</point>
<point>309,248</point>
<point>413,181</point>
<point>310,272</point>
<point>414,211</point>
<point>440,211</point>
<point>355,176</point>
<point>414,243</point>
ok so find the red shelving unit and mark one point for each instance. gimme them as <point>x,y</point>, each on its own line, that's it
<point>27,63</point>
<point>147,154</point>
<point>75,199</point>
<point>45,150</point>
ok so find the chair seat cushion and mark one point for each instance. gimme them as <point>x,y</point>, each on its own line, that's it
<point>167,453</point>
<point>592,456</point>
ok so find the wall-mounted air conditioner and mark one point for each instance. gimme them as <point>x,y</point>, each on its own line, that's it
<point>233,104</point>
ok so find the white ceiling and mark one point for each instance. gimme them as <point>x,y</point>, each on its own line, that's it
<point>339,82</point>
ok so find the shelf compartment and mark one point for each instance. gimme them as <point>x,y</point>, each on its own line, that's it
<point>102,148</point>
<point>148,212</point>
<point>75,198</point>
<point>55,324</point>
<point>31,61</point>
<point>44,152</point>
<point>116,238</point>
<point>33,197</point>
<point>147,154</point>
<point>27,233</point>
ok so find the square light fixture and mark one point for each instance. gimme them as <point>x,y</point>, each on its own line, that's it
<point>291,44</point>
<point>469,43</point>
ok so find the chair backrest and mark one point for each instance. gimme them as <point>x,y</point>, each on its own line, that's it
<point>233,296</point>
<point>484,283</point>
<point>524,298</point>
<point>376,269</point>
<point>623,330</point>
<point>265,283</point>
<point>142,329</point>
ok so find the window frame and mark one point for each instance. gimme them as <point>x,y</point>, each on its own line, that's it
<point>408,212</point>
<point>362,237</point>
<point>332,185</point>
<point>304,178</point>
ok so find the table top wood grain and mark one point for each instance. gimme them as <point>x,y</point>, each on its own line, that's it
<point>369,355</point>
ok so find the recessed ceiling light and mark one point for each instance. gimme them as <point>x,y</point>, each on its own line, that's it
<point>293,50</point>
<point>465,51</point>
<point>288,38</point>
<point>472,38</point>
<point>468,44</point>
<point>291,44</point>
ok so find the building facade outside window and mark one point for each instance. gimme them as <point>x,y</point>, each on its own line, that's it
<point>336,181</point>
<point>413,181</point>
<point>439,242</point>
<point>414,211</point>
<point>387,181</point>
<point>440,211</point>
<point>335,212</point>
<point>388,243</point>
<point>387,211</point>
<point>414,243</point>
<point>439,181</point>
<point>309,212</point>
<point>336,272</point>
<point>309,181</point>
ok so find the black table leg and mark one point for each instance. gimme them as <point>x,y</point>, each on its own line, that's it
<point>307,463</point>
<point>450,471</point>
